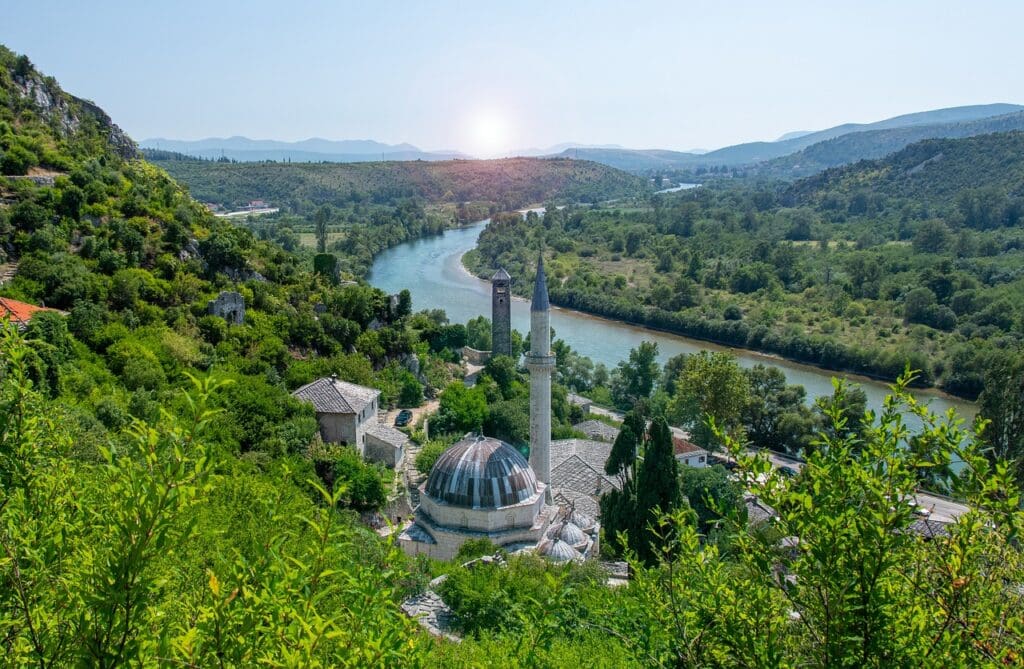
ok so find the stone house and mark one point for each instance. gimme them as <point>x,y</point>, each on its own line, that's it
<point>347,414</point>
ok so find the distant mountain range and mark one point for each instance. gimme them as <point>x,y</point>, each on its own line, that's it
<point>793,155</point>
<point>936,123</point>
<point>312,150</point>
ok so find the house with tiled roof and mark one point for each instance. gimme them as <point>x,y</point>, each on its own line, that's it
<point>689,453</point>
<point>347,414</point>
<point>19,313</point>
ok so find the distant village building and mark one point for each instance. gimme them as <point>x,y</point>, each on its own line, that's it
<point>229,305</point>
<point>580,401</point>
<point>595,429</point>
<point>19,313</point>
<point>347,414</point>
<point>689,453</point>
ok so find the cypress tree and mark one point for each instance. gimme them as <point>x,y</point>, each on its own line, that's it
<point>657,486</point>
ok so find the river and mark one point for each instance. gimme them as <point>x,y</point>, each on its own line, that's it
<point>432,270</point>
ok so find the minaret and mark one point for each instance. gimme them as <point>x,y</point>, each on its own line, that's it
<point>501,313</point>
<point>541,363</point>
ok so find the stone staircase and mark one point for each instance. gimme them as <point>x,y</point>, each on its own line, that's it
<point>413,478</point>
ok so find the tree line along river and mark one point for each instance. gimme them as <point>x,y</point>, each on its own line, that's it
<point>431,268</point>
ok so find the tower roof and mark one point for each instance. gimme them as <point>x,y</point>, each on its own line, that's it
<point>540,288</point>
<point>501,275</point>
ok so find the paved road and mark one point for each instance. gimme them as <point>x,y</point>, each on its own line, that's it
<point>941,508</point>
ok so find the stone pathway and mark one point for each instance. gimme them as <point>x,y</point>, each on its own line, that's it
<point>430,611</point>
<point>7,272</point>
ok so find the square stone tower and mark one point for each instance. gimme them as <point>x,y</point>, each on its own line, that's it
<point>501,313</point>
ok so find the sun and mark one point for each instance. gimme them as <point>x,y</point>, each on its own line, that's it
<point>488,134</point>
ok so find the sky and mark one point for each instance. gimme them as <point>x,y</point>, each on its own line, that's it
<point>489,77</point>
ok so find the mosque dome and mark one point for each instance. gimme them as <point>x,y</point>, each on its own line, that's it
<point>481,473</point>
<point>582,521</point>
<point>559,551</point>
<point>573,535</point>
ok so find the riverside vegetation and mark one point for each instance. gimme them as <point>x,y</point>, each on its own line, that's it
<point>915,258</point>
<point>164,501</point>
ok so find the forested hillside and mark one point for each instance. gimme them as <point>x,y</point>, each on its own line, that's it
<point>505,184</point>
<point>941,173</point>
<point>873,144</point>
<point>916,259</point>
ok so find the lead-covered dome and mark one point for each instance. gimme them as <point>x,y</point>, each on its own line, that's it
<point>481,473</point>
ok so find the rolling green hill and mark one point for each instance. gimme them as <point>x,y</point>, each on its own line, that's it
<point>509,183</point>
<point>878,143</point>
<point>934,171</point>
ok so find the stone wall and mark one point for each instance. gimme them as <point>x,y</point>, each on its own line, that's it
<point>475,357</point>
<point>378,450</point>
<point>229,305</point>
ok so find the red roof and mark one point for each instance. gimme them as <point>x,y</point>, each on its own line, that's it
<point>17,312</point>
<point>682,446</point>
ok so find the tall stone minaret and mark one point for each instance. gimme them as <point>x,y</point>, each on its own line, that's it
<point>541,363</point>
<point>501,313</point>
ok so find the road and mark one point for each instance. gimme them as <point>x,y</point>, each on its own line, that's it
<point>941,508</point>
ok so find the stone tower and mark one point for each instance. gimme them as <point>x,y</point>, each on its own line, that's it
<point>501,313</point>
<point>541,363</point>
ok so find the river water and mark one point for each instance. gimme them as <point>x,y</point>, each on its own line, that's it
<point>432,270</point>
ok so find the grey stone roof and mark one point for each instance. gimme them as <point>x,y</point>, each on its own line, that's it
<point>578,400</point>
<point>540,288</point>
<point>586,504</point>
<point>501,275</point>
<point>386,433</point>
<point>595,429</point>
<point>559,551</point>
<point>331,395</point>
<point>481,473</point>
<point>928,528</point>
<point>594,453</point>
<point>757,512</point>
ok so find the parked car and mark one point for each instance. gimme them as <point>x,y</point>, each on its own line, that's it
<point>403,418</point>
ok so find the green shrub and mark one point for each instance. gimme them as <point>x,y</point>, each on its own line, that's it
<point>429,454</point>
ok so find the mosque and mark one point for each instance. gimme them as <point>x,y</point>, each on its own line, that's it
<point>484,488</point>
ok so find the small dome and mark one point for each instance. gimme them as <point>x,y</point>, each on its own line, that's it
<point>559,551</point>
<point>573,535</point>
<point>481,473</point>
<point>582,521</point>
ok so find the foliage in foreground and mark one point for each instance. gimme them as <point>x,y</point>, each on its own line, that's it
<point>163,551</point>
<point>861,580</point>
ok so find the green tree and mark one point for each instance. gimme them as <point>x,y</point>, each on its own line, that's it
<point>775,416</point>
<point>320,221</point>
<point>634,378</point>
<point>460,409</point>
<point>658,490</point>
<point>1002,405</point>
<point>712,496</point>
<point>710,386</point>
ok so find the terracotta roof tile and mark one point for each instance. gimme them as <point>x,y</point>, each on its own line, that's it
<point>19,313</point>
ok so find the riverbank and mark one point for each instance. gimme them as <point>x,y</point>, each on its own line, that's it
<point>766,356</point>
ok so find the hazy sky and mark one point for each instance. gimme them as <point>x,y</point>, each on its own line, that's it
<point>482,76</point>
